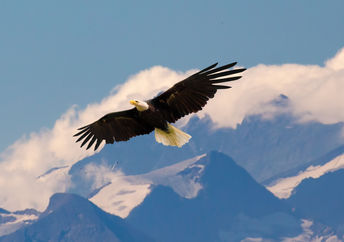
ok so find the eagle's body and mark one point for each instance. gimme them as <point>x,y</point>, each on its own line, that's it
<point>151,116</point>
<point>185,97</point>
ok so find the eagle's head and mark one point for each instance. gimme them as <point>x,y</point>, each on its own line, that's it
<point>140,105</point>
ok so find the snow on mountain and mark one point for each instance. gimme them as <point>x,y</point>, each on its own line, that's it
<point>120,196</point>
<point>308,234</point>
<point>122,193</point>
<point>284,187</point>
<point>54,170</point>
<point>11,221</point>
<point>182,177</point>
<point>56,173</point>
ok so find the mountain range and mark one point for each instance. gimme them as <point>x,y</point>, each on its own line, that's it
<point>264,147</point>
<point>70,217</point>
<point>208,198</point>
<point>266,180</point>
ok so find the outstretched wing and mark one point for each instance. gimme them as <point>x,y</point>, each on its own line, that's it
<point>191,95</point>
<point>118,126</point>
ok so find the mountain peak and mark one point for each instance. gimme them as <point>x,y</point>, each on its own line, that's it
<point>223,206</point>
<point>70,217</point>
<point>63,200</point>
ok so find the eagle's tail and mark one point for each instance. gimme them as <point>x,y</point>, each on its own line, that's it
<point>173,136</point>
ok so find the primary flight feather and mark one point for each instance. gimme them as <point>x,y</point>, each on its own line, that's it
<point>187,96</point>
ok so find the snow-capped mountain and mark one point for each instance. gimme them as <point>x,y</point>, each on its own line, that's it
<point>230,206</point>
<point>120,200</point>
<point>72,218</point>
<point>321,199</point>
<point>314,193</point>
<point>283,187</point>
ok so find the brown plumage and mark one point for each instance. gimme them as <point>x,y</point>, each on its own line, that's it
<point>185,97</point>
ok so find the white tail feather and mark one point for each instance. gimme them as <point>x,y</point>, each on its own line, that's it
<point>173,137</point>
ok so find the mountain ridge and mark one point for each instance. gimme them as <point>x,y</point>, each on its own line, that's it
<point>219,210</point>
<point>70,217</point>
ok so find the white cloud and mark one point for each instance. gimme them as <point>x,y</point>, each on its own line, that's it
<point>337,62</point>
<point>315,93</point>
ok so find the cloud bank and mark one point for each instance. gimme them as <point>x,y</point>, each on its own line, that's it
<point>315,94</point>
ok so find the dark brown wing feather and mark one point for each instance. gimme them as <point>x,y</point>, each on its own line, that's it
<point>191,95</point>
<point>118,126</point>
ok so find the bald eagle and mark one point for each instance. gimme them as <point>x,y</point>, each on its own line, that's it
<point>187,96</point>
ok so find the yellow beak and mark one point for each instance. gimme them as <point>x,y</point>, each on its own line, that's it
<point>132,102</point>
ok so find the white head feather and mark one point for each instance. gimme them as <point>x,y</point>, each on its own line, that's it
<point>140,105</point>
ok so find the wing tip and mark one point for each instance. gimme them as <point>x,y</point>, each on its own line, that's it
<point>221,87</point>
<point>207,68</point>
<point>99,141</point>
<point>84,127</point>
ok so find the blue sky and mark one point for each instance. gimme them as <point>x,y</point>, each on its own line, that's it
<point>55,54</point>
